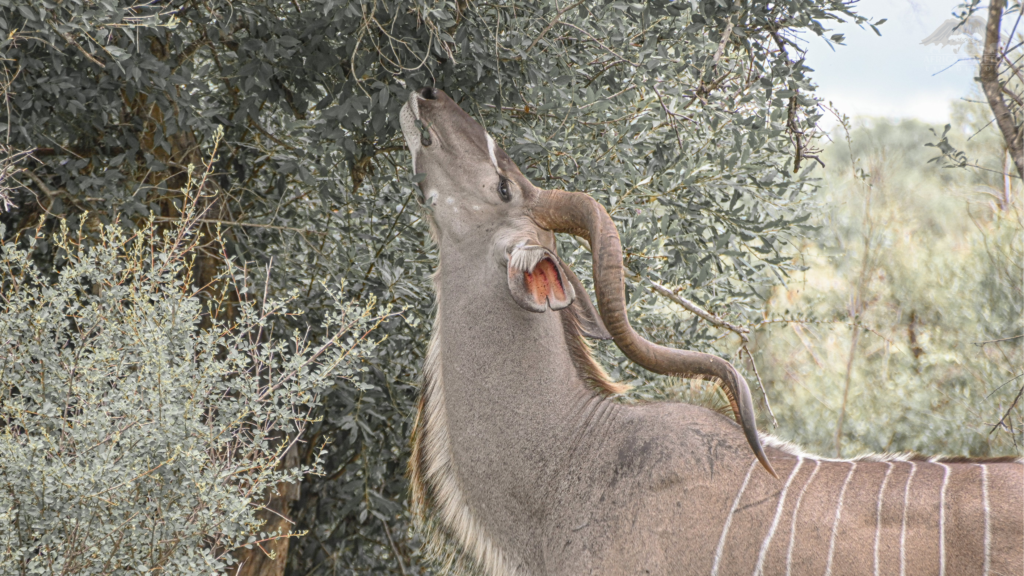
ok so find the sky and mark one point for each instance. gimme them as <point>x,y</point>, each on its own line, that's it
<point>893,75</point>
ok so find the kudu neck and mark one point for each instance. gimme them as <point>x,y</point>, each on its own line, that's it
<point>514,404</point>
<point>492,345</point>
<point>503,368</point>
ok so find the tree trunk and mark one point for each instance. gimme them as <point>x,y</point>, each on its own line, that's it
<point>270,557</point>
<point>989,78</point>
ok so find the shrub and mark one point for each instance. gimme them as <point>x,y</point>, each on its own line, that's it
<point>138,430</point>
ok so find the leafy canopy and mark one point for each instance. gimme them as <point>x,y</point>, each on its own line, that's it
<point>692,121</point>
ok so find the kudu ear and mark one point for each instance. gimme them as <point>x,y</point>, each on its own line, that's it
<point>537,279</point>
<point>589,319</point>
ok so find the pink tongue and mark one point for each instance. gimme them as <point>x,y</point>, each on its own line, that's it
<point>543,282</point>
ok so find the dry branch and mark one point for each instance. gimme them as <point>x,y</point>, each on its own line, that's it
<point>989,77</point>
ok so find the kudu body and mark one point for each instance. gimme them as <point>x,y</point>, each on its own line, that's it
<point>521,459</point>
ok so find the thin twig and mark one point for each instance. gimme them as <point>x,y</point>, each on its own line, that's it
<point>1008,410</point>
<point>387,532</point>
<point>764,393</point>
<point>67,36</point>
<point>687,304</point>
<point>669,115</point>
<point>694,308</point>
<point>551,25</point>
<point>807,346</point>
<point>244,224</point>
<point>599,43</point>
<point>721,45</point>
<point>42,185</point>
<point>1000,387</point>
<point>982,343</point>
<point>953,64</point>
<point>275,139</point>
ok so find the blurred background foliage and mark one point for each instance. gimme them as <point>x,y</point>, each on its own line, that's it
<point>693,122</point>
<point>907,321</point>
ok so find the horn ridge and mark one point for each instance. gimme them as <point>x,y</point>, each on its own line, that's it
<point>578,214</point>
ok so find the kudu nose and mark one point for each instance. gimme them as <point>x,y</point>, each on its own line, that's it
<point>428,93</point>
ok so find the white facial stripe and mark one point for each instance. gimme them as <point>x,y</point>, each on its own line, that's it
<point>414,103</point>
<point>408,117</point>
<point>490,150</point>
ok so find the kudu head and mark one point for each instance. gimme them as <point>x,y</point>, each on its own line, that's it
<point>481,204</point>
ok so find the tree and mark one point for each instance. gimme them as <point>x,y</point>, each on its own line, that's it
<point>131,441</point>
<point>1002,82</point>
<point>692,121</point>
<point>999,75</point>
<point>996,83</point>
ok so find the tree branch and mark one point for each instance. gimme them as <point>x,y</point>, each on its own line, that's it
<point>387,532</point>
<point>697,310</point>
<point>71,40</point>
<point>551,25</point>
<point>764,393</point>
<point>721,45</point>
<point>989,77</point>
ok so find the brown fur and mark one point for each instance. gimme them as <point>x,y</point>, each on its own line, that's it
<point>440,543</point>
<point>589,370</point>
<point>519,470</point>
<point>414,470</point>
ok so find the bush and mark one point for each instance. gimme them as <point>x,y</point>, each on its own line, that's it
<point>140,431</point>
<point>904,332</point>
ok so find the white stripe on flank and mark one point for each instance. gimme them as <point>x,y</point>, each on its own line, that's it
<point>988,533</point>
<point>759,569</point>
<point>728,520</point>
<point>835,523</point>
<point>796,509</point>
<point>490,150</point>
<point>878,513</point>
<point>942,520</point>
<point>903,530</point>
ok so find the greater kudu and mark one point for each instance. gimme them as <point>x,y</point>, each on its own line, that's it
<point>522,460</point>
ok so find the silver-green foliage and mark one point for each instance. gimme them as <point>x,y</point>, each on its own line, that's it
<point>686,119</point>
<point>132,439</point>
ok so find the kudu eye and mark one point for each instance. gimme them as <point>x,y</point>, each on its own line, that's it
<point>504,191</point>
